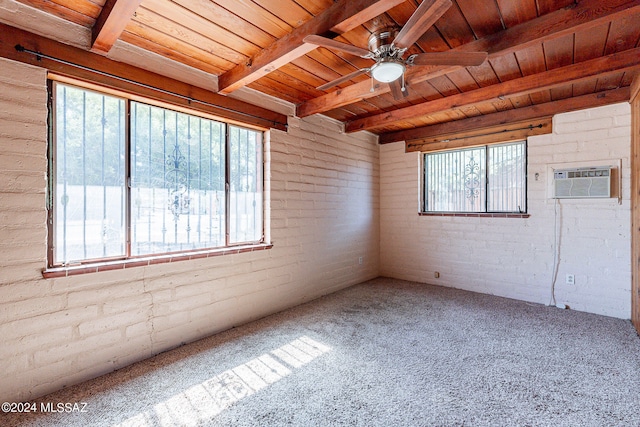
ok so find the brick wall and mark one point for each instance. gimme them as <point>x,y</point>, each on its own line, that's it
<point>515,257</point>
<point>56,332</point>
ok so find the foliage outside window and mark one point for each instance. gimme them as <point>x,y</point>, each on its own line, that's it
<point>481,179</point>
<point>130,179</point>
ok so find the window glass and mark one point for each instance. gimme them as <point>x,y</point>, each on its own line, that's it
<point>90,175</point>
<point>130,179</point>
<point>507,178</point>
<point>482,179</point>
<point>245,170</point>
<point>455,181</point>
<point>177,181</point>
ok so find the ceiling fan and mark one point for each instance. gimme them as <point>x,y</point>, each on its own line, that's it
<point>387,47</point>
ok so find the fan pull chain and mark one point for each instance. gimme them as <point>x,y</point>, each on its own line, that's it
<point>403,88</point>
<point>371,90</point>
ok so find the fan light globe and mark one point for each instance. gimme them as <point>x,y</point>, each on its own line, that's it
<point>387,72</point>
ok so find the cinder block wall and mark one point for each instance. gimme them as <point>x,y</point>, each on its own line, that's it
<point>515,257</point>
<point>324,216</point>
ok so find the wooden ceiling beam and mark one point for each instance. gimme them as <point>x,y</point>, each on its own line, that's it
<point>599,67</point>
<point>547,109</point>
<point>586,14</point>
<point>499,133</point>
<point>80,64</point>
<point>111,22</point>
<point>341,17</point>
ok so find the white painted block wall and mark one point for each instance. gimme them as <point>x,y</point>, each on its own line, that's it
<point>515,257</point>
<point>324,216</point>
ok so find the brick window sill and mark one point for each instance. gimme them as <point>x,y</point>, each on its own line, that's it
<point>476,214</point>
<point>95,267</point>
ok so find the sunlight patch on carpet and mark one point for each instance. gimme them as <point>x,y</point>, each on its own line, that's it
<point>205,400</point>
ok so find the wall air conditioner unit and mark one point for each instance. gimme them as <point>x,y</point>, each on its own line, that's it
<point>582,183</point>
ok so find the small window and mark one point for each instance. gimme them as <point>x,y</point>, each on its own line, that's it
<point>480,179</point>
<point>129,179</point>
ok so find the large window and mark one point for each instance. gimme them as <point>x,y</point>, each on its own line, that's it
<point>480,179</point>
<point>130,179</point>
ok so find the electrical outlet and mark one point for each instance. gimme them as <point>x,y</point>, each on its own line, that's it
<point>360,259</point>
<point>436,274</point>
<point>570,279</point>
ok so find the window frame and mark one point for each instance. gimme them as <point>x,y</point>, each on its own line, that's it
<point>422,210</point>
<point>58,269</point>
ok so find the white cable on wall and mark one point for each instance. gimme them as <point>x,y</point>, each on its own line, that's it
<point>556,249</point>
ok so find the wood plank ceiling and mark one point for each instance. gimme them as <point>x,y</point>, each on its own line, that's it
<point>544,56</point>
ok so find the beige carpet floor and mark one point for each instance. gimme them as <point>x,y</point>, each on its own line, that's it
<point>383,353</point>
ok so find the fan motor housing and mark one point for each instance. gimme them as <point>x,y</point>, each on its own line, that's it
<point>380,41</point>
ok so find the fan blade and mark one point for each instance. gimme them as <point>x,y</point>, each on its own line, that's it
<point>397,90</point>
<point>424,17</point>
<point>332,44</point>
<point>343,79</point>
<point>464,59</point>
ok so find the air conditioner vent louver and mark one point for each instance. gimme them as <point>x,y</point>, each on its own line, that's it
<point>582,183</point>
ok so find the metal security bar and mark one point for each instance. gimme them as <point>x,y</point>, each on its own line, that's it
<point>245,185</point>
<point>175,158</point>
<point>89,175</point>
<point>506,185</point>
<point>153,184</point>
<point>482,179</point>
<point>455,181</point>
